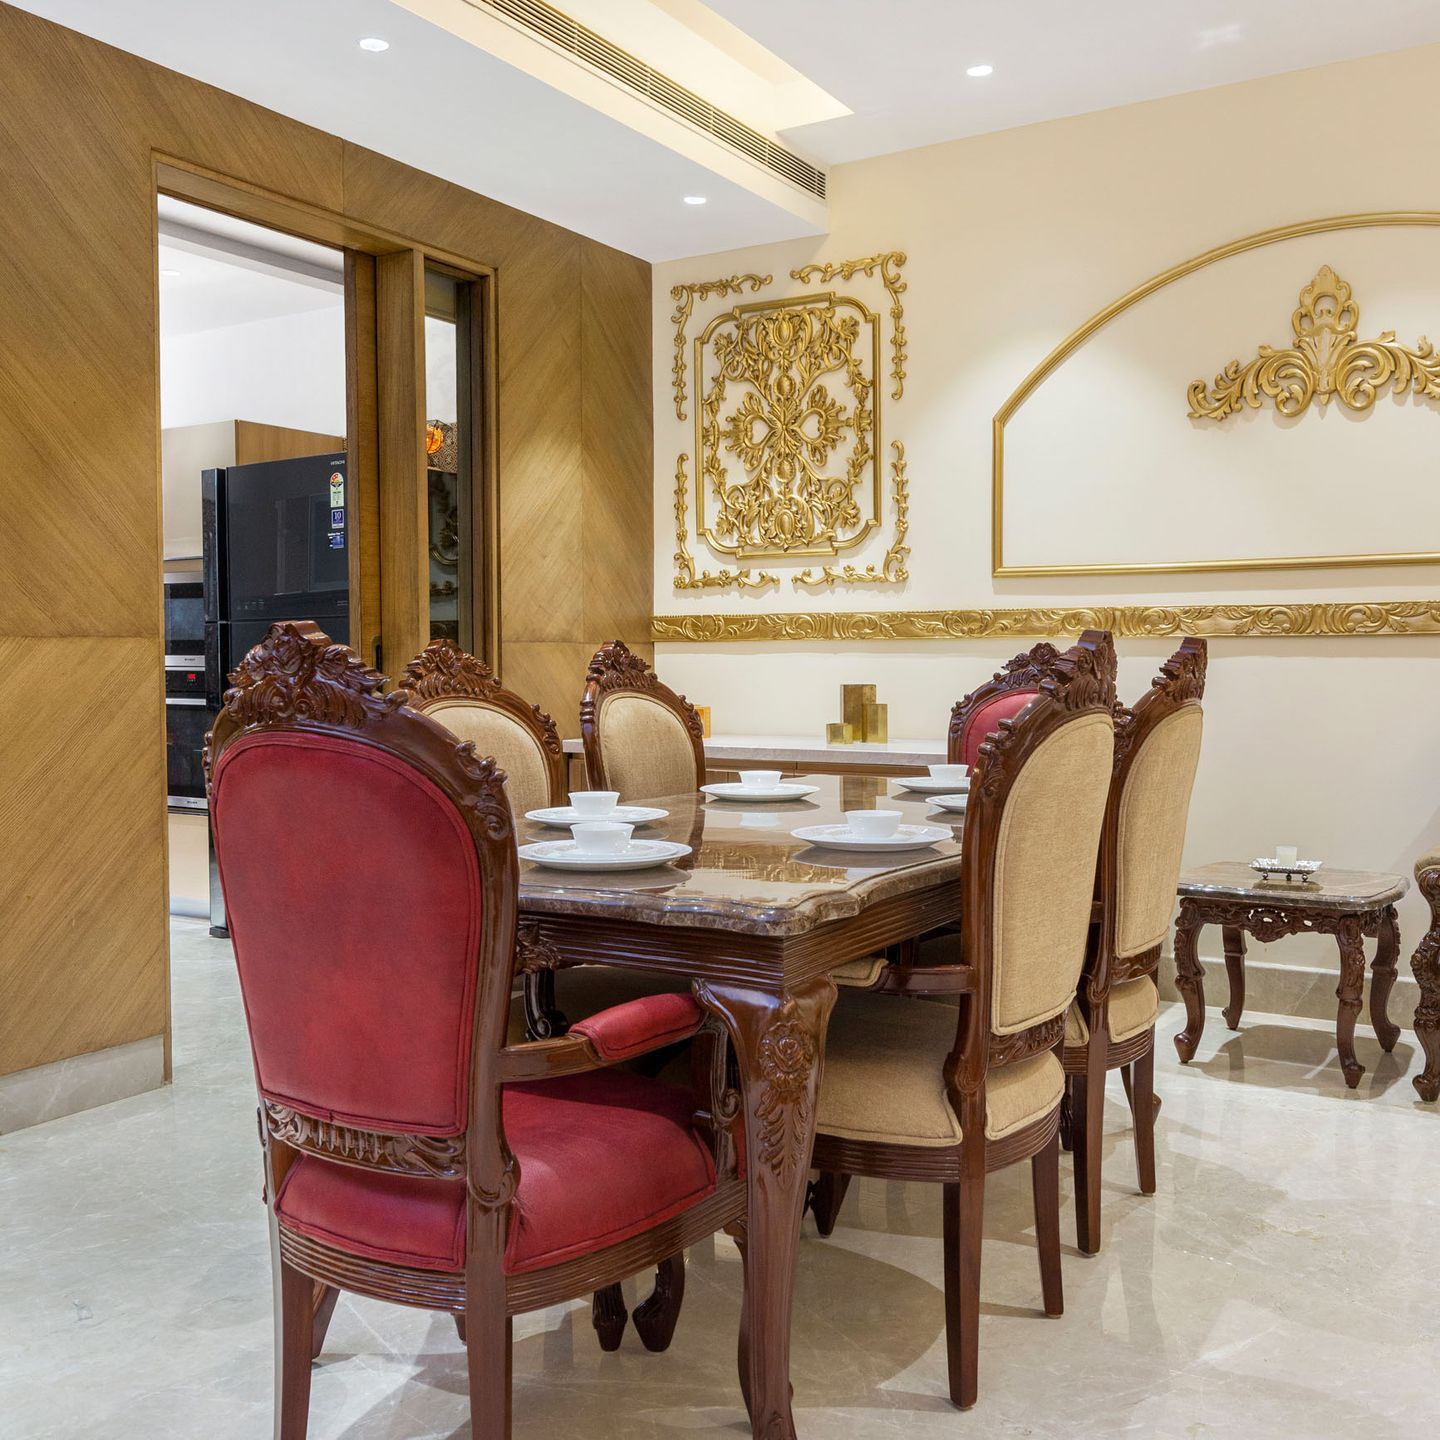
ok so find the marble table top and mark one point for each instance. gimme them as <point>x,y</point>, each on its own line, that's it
<point>1329,890</point>
<point>811,750</point>
<point>747,873</point>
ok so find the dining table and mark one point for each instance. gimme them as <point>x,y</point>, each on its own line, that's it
<point>755,919</point>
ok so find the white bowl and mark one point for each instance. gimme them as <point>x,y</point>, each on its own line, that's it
<point>594,804</point>
<point>601,837</point>
<point>955,775</point>
<point>759,779</point>
<point>874,824</point>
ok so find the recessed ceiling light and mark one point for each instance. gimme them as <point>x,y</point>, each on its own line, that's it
<point>374,44</point>
<point>979,72</point>
<point>695,199</point>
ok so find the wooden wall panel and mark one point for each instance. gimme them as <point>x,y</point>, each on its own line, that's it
<point>255,443</point>
<point>82,128</point>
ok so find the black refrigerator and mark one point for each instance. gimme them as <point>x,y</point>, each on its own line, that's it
<point>274,549</point>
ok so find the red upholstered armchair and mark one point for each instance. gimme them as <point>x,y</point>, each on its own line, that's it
<point>411,1154</point>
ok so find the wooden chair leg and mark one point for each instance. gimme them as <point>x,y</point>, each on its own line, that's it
<point>964,1206</point>
<point>324,1307</point>
<point>1087,1126</point>
<point>487,1356</point>
<point>1142,1109</point>
<point>655,1318</point>
<point>1045,1183</point>
<point>459,1326</point>
<point>608,1315</point>
<point>295,1334</point>
<point>1067,1135</point>
<point>738,1233</point>
<point>827,1194</point>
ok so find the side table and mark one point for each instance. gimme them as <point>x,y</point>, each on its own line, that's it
<point>1348,904</point>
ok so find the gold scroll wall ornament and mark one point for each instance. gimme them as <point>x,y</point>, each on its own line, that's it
<point>892,570</point>
<point>1145,622</point>
<point>686,577</point>
<point>888,263</point>
<point>787,428</point>
<point>685,297</point>
<point>1328,359</point>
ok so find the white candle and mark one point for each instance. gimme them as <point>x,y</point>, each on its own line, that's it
<point>1287,854</point>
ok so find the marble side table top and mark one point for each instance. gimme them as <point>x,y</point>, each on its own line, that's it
<point>1328,890</point>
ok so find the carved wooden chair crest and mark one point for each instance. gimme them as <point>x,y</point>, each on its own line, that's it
<point>1006,693</point>
<point>640,737</point>
<point>464,695</point>
<point>1112,1024</point>
<point>411,1154</point>
<point>910,1094</point>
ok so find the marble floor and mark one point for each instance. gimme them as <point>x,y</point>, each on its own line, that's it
<point>1281,1284</point>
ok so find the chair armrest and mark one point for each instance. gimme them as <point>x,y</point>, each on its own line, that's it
<point>925,980</point>
<point>619,1033</point>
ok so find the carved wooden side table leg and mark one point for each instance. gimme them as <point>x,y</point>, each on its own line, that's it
<point>779,1045</point>
<point>1234,941</point>
<point>1350,936</point>
<point>1426,965</point>
<point>1189,979</point>
<point>1382,979</point>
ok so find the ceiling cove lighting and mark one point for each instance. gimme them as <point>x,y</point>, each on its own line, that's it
<point>979,72</point>
<point>695,199</point>
<point>374,44</point>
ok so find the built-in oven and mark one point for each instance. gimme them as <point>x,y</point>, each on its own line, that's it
<point>188,718</point>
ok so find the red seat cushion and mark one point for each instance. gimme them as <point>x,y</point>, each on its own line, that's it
<point>602,1156</point>
<point>987,717</point>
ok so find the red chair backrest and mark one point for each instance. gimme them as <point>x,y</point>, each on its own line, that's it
<point>985,718</point>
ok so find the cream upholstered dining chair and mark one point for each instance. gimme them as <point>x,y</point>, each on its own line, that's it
<point>1111,1026</point>
<point>640,737</point>
<point>920,1092</point>
<point>466,697</point>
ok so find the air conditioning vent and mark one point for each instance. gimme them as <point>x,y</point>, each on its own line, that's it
<point>578,40</point>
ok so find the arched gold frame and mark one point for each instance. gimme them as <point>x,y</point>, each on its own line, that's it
<point>1073,341</point>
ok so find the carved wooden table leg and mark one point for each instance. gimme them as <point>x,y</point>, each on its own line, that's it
<point>1189,979</point>
<point>1234,941</point>
<point>1382,979</point>
<point>779,1044</point>
<point>1426,965</point>
<point>1350,936</point>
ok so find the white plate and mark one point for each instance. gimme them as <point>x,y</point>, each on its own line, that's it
<point>566,855</point>
<point>568,815</point>
<point>924,785</point>
<point>842,837</point>
<point>732,790</point>
<point>951,802</point>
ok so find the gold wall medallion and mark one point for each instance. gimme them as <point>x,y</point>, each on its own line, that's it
<point>685,297</point>
<point>1144,622</point>
<point>787,427</point>
<point>1097,322</point>
<point>686,577</point>
<point>1328,359</point>
<point>888,263</point>
<point>892,569</point>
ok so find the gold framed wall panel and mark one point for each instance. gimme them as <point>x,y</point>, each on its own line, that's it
<point>1072,342</point>
<point>1274,621</point>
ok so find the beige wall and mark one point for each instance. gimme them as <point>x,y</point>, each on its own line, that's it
<point>1014,240</point>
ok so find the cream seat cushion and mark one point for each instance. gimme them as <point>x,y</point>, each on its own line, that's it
<point>860,973</point>
<point>1134,1004</point>
<point>882,1079</point>
<point>515,749</point>
<point>646,747</point>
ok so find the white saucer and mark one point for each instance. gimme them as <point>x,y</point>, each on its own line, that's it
<point>566,855</point>
<point>732,790</point>
<point>568,815</point>
<point>842,837</point>
<point>924,785</point>
<point>951,802</point>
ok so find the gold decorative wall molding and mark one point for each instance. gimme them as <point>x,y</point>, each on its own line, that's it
<point>1328,359</point>
<point>1354,618</point>
<point>888,263</point>
<point>685,297</point>
<point>686,577</point>
<point>787,387</point>
<point>1078,337</point>
<point>892,569</point>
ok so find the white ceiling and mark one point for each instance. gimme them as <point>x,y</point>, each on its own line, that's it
<point>216,271</point>
<point>446,105</point>
<point>899,65</point>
